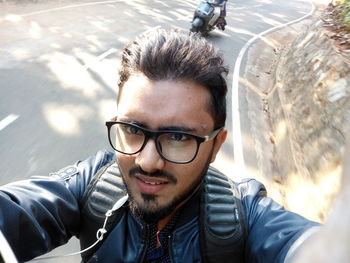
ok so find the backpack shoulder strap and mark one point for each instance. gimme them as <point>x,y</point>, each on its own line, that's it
<point>222,219</point>
<point>104,190</point>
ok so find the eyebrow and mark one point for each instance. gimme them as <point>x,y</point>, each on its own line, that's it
<point>161,128</point>
<point>177,128</point>
<point>132,121</point>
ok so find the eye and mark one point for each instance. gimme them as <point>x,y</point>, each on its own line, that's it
<point>178,137</point>
<point>132,130</point>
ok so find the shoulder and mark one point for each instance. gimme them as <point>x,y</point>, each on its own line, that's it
<point>78,175</point>
<point>272,230</point>
<point>251,187</point>
<point>91,165</point>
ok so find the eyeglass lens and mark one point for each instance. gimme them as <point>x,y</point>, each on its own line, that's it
<point>173,146</point>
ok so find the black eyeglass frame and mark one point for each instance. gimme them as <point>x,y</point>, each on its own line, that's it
<point>155,134</point>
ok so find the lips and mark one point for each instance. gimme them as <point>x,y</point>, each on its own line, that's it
<point>153,183</point>
<point>150,185</point>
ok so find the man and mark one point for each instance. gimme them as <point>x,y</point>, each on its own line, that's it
<point>168,129</point>
<point>222,19</point>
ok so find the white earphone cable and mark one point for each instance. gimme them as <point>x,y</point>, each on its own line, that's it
<point>100,232</point>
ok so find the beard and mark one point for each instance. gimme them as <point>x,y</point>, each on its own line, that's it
<point>151,212</point>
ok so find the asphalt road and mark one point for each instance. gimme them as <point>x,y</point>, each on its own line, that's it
<point>58,71</point>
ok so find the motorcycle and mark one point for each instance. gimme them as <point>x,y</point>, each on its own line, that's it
<point>206,17</point>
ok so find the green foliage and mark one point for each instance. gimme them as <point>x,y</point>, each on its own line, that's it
<point>343,7</point>
<point>338,2</point>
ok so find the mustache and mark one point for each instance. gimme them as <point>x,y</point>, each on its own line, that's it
<point>159,174</point>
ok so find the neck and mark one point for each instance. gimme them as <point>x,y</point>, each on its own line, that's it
<point>161,223</point>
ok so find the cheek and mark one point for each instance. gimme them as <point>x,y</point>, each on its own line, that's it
<point>195,167</point>
<point>204,154</point>
<point>125,163</point>
<point>189,173</point>
<point>202,159</point>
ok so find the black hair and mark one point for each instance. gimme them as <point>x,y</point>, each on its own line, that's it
<point>162,54</point>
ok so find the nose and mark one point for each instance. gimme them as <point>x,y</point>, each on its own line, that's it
<point>149,159</point>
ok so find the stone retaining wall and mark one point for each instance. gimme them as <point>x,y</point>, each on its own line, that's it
<point>311,106</point>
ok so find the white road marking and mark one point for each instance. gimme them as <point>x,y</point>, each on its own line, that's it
<point>100,57</point>
<point>110,51</point>
<point>236,123</point>
<point>69,6</point>
<point>8,120</point>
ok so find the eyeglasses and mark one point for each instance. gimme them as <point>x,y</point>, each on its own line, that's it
<point>173,146</point>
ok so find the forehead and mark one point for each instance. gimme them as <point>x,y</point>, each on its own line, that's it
<point>166,102</point>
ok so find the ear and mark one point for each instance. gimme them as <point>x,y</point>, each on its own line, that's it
<point>219,140</point>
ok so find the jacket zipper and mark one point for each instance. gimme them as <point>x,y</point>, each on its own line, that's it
<point>146,243</point>
<point>170,249</point>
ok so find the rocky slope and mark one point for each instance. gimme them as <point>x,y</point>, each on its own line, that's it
<point>307,106</point>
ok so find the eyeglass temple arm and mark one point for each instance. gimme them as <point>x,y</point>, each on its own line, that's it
<point>212,135</point>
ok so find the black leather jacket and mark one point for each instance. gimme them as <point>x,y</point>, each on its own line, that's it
<point>41,213</point>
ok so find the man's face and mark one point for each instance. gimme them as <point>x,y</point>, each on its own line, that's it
<point>157,186</point>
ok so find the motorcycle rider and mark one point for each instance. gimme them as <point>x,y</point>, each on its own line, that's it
<point>222,19</point>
